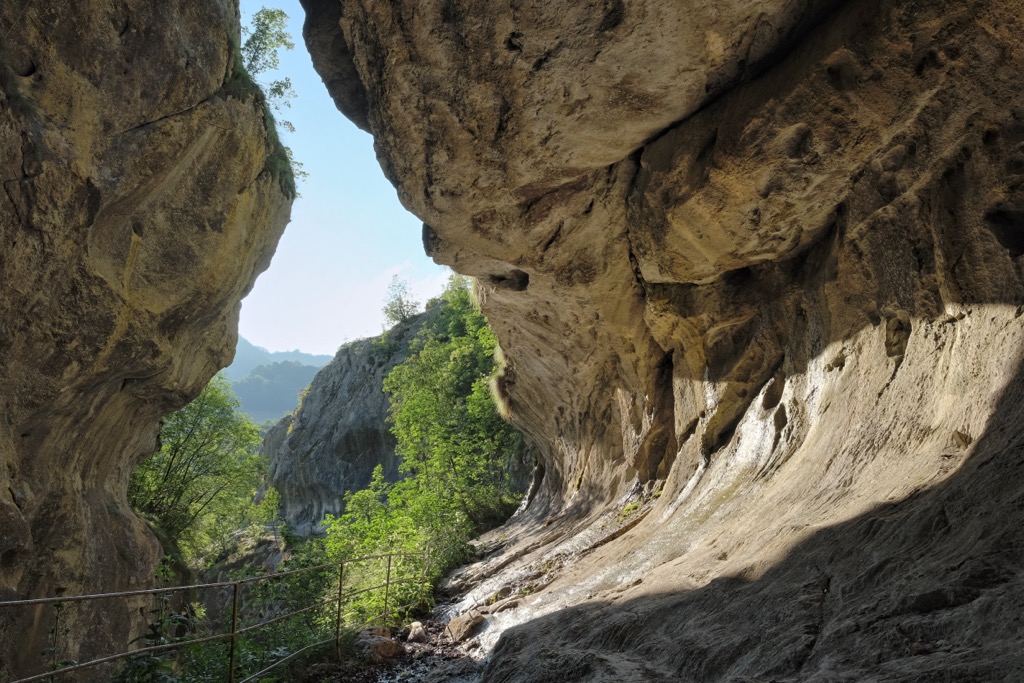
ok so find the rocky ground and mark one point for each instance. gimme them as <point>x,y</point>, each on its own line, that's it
<point>439,660</point>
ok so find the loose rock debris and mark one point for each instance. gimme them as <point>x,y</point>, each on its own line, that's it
<point>437,660</point>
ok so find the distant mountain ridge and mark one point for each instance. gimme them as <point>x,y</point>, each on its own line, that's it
<point>271,391</point>
<point>248,357</point>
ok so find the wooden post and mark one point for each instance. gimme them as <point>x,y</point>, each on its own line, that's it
<point>423,571</point>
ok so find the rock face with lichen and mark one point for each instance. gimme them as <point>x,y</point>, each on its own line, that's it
<point>759,278</point>
<point>141,197</point>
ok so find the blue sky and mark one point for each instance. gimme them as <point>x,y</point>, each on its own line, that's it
<point>349,234</point>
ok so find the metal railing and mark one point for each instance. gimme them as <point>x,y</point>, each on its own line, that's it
<point>236,630</point>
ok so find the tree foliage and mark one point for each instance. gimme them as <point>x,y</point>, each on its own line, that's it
<point>449,433</point>
<point>199,487</point>
<point>399,304</point>
<point>267,34</point>
<point>455,447</point>
<point>264,39</point>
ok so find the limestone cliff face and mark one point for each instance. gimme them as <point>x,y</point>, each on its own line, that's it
<point>339,433</point>
<point>138,206</point>
<point>760,272</point>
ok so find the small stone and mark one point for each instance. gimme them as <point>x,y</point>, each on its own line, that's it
<point>417,634</point>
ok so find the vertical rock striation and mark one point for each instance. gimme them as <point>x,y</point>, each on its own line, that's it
<point>141,197</point>
<point>758,271</point>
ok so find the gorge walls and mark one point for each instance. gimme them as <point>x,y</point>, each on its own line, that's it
<point>142,194</point>
<point>757,270</point>
<point>759,278</point>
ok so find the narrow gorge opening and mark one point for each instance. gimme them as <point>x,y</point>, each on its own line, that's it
<point>782,438</point>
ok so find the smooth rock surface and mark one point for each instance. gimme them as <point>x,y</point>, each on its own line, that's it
<point>137,208</point>
<point>462,626</point>
<point>758,271</point>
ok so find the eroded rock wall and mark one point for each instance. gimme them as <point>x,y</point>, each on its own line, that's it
<point>139,203</point>
<point>758,276</point>
<point>339,432</point>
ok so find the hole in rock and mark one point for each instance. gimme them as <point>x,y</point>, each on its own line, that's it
<point>514,42</point>
<point>1007,224</point>
<point>515,280</point>
<point>27,70</point>
<point>615,12</point>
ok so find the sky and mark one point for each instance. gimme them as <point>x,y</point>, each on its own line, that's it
<point>348,236</point>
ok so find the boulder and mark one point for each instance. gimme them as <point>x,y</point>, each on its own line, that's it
<point>377,646</point>
<point>462,626</point>
<point>417,634</point>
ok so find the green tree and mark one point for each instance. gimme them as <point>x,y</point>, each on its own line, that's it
<point>454,445</point>
<point>450,435</point>
<point>264,39</point>
<point>399,305</point>
<point>199,487</point>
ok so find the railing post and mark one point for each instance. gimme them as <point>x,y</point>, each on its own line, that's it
<point>234,636</point>
<point>387,590</point>
<point>423,571</point>
<point>337,620</point>
<point>55,637</point>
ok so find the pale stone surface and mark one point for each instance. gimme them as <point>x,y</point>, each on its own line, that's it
<point>136,211</point>
<point>462,626</point>
<point>763,269</point>
<point>417,634</point>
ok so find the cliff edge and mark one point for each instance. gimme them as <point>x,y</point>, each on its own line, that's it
<point>339,432</point>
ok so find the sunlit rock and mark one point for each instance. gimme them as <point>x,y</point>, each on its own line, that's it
<point>753,269</point>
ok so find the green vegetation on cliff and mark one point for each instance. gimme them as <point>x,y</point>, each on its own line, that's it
<point>259,53</point>
<point>455,447</point>
<point>454,483</point>
<point>399,304</point>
